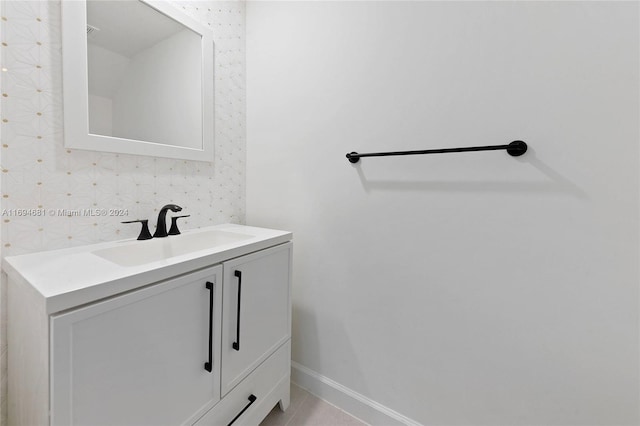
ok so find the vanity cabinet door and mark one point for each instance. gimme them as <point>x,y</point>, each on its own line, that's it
<point>139,358</point>
<point>256,311</point>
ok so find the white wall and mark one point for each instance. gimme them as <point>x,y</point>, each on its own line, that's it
<point>105,70</point>
<point>160,95</point>
<point>100,115</point>
<point>460,289</point>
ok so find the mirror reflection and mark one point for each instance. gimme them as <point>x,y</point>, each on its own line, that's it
<point>144,75</point>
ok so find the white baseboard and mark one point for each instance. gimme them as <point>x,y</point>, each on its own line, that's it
<point>346,399</point>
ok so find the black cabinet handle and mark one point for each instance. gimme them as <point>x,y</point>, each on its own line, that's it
<point>208,365</point>
<point>236,344</point>
<point>252,399</point>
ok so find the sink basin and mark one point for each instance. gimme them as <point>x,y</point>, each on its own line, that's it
<point>157,249</point>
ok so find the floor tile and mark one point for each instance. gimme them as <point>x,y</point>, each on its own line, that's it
<point>315,412</point>
<point>306,409</point>
<point>279,418</point>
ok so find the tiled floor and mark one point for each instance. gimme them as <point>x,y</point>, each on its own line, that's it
<point>306,409</point>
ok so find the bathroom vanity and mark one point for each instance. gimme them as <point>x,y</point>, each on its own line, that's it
<point>191,329</point>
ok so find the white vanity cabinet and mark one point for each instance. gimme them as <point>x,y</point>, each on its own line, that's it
<point>255,314</point>
<point>196,340</point>
<point>139,358</point>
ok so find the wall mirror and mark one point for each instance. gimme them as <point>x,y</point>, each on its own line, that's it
<point>138,79</point>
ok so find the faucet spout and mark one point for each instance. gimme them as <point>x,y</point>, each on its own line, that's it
<point>161,226</point>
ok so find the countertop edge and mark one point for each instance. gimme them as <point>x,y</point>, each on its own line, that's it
<point>98,290</point>
<point>62,302</point>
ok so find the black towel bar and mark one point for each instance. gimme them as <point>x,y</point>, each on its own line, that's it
<point>515,149</point>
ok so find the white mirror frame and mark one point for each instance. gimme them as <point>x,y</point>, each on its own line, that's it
<point>76,96</point>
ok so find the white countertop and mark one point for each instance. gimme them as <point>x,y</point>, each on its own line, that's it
<point>74,276</point>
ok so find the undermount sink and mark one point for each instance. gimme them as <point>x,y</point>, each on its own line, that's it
<point>157,249</point>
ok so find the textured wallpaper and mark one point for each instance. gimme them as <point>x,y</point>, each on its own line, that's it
<point>37,172</point>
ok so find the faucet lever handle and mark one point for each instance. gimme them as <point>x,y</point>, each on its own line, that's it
<point>145,234</point>
<point>174,225</point>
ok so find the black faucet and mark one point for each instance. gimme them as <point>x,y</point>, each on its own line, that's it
<point>161,226</point>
